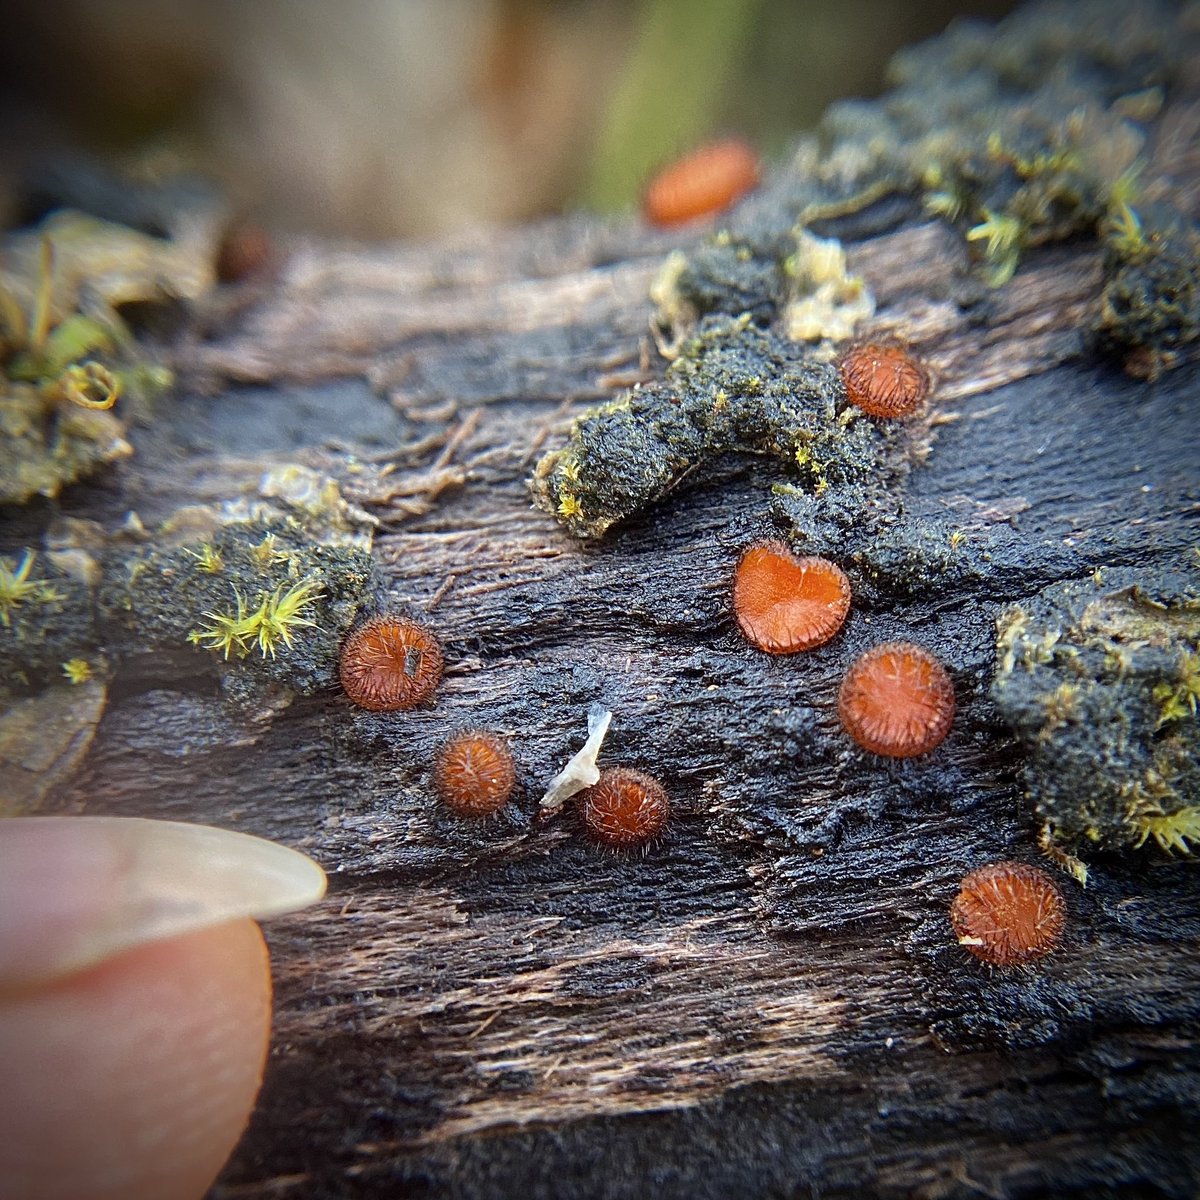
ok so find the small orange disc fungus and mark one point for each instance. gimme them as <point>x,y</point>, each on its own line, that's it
<point>474,773</point>
<point>898,700</point>
<point>883,379</point>
<point>390,663</point>
<point>707,181</point>
<point>784,603</point>
<point>1008,913</point>
<point>624,808</point>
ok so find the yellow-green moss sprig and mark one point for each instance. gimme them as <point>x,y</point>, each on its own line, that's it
<point>267,553</point>
<point>1172,831</point>
<point>52,355</point>
<point>77,670</point>
<point>269,625</point>
<point>1178,699</point>
<point>208,559</point>
<point>16,588</point>
<point>1123,228</point>
<point>1004,238</point>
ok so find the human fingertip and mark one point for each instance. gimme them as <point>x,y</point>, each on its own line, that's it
<point>76,890</point>
<point>134,1079</point>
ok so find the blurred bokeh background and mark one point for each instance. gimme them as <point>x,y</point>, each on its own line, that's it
<point>400,118</point>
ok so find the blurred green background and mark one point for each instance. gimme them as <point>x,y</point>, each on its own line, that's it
<point>395,118</point>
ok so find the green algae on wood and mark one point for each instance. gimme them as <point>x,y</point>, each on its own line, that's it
<point>1098,680</point>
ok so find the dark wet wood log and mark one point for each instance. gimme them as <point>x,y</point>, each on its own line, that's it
<point>769,1002</point>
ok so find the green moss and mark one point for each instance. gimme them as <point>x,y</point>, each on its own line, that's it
<point>257,593</point>
<point>1150,306</point>
<point>18,589</point>
<point>44,445</point>
<point>1020,134</point>
<point>45,619</point>
<point>1096,680</point>
<point>66,358</point>
<point>734,387</point>
<point>267,624</point>
<point>279,616</point>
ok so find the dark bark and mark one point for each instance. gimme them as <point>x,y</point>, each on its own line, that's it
<point>769,1002</point>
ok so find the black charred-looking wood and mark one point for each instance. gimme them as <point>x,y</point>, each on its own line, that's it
<point>769,1001</point>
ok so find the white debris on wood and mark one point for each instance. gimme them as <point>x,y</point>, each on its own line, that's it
<point>581,772</point>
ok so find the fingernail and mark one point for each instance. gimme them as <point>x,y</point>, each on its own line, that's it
<point>77,890</point>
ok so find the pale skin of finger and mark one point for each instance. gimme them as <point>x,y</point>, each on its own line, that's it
<point>133,1080</point>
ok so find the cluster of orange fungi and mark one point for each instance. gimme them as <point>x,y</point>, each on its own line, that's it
<point>896,699</point>
<point>393,664</point>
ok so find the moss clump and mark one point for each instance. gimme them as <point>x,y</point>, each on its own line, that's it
<point>44,447</point>
<point>1022,133</point>
<point>734,387</point>
<point>257,591</point>
<point>1098,682</point>
<point>66,357</point>
<point>732,274</point>
<point>1150,307</point>
<point>45,618</point>
<point>258,596</point>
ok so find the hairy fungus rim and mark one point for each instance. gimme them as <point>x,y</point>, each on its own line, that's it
<point>870,709</point>
<point>370,678</point>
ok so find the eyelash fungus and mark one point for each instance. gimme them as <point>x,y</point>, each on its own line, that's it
<point>474,774</point>
<point>704,183</point>
<point>897,700</point>
<point>883,379</point>
<point>624,808</point>
<point>784,603</point>
<point>1008,913</point>
<point>390,664</point>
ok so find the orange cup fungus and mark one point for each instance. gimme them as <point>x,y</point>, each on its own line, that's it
<point>706,182</point>
<point>474,774</point>
<point>1008,913</point>
<point>883,379</point>
<point>784,603</point>
<point>390,664</point>
<point>898,700</point>
<point>624,808</point>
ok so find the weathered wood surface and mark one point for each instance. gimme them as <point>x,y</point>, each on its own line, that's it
<point>769,1002</point>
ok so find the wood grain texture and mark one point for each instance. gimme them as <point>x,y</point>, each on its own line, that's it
<point>769,1001</point>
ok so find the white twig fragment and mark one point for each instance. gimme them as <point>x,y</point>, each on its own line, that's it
<point>581,772</point>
